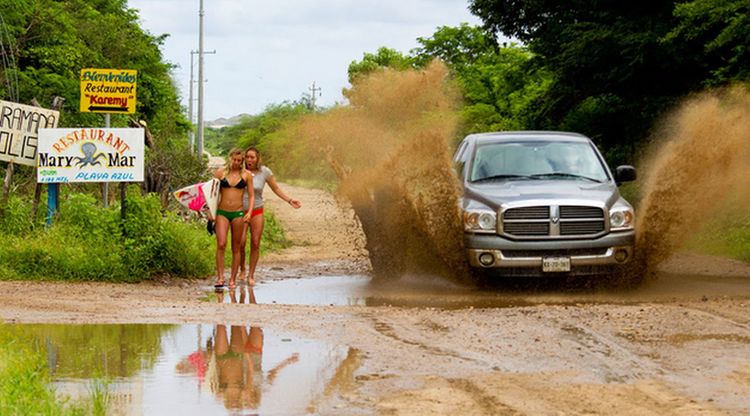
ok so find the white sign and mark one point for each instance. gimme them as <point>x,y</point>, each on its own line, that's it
<point>90,154</point>
<point>19,126</point>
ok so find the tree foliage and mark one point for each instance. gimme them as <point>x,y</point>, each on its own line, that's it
<point>383,58</point>
<point>722,29</point>
<point>499,84</point>
<point>617,66</point>
<point>46,43</point>
<point>253,130</point>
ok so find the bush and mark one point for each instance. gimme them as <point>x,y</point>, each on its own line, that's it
<point>89,242</point>
<point>25,381</point>
<point>14,216</point>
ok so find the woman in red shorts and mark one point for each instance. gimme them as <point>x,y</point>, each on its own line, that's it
<point>261,175</point>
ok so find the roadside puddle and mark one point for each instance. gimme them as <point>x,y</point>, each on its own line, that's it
<point>434,292</point>
<point>190,369</point>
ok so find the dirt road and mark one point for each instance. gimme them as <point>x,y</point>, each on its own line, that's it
<point>680,345</point>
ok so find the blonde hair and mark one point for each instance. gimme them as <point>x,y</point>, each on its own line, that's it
<point>228,166</point>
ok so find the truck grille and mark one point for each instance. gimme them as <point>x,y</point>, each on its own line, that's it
<point>554,221</point>
<point>527,228</point>
<point>527,213</point>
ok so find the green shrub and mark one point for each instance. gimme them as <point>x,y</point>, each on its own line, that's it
<point>89,242</point>
<point>725,235</point>
<point>14,216</point>
<point>273,237</point>
<point>25,382</point>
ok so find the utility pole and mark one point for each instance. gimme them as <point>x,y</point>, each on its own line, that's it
<point>313,92</point>
<point>200,83</point>
<point>191,134</point>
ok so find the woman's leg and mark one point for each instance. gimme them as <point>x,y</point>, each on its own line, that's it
<point>222,228</point>
<point>256,232</point>
<point>237,228</point>
<point>243,245</point>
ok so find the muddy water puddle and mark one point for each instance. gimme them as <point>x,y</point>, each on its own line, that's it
<point>188,369</point>
<point>430,292</point>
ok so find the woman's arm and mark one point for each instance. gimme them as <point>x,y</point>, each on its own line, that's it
<point>277,190</point>
<point>219,173</point>
<point>250,196</point>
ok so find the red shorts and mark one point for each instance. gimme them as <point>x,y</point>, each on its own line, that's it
<point>256,211</point>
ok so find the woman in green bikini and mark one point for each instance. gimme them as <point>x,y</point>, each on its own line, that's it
<point>234,181</point>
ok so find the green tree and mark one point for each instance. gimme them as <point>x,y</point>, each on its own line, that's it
<point>617,66</point>
<point>46,43</point>
<point>500,85</point>
<point>720,31</point>
<point>383,58</point>
<point>252,130</point>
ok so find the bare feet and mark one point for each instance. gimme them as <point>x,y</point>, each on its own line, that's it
<point>251,280</point>
<point>219,284</point>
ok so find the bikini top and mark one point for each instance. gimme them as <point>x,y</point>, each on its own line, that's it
<point>224,183</point>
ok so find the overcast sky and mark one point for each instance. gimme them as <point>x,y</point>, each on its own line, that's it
<point>271,51</point>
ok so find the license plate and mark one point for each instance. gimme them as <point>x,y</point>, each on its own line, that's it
<point>556,264</point>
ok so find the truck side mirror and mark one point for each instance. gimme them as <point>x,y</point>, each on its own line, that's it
<point>624,173</point>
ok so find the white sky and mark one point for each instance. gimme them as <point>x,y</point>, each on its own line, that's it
<point>271,51</point>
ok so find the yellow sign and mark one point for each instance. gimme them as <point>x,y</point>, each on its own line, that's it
<point>108,90</point>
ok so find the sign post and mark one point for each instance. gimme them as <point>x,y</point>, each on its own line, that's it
<point>108,91</point>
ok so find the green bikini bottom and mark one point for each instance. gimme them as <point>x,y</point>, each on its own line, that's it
<point>230,215</point>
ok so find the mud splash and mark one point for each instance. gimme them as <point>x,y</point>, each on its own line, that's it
<point>390,150</point>
<point>704,161</point>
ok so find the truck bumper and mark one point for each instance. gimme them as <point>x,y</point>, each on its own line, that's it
<point>587,257</point>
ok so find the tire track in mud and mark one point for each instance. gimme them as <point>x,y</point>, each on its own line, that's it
<point>608,352</point>
<point>484,400</point>
<point>387,330</point>
<point>718,316</point>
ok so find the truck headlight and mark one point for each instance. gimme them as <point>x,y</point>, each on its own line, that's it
<point>480,221</point>
<point>621,219</point>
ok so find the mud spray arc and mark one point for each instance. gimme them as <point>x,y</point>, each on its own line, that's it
<point>699,167</point>
<point>391,151</point>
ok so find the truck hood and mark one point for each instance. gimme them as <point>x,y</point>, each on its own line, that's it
<point>495,194</point>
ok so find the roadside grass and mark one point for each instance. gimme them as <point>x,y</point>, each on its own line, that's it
<point>25,387</point>
<point>726,232</point>
<point>313,183</point>
<point>90,243</point>
<point>727,236</point>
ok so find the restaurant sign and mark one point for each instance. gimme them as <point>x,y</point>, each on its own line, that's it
<point>90,155</point>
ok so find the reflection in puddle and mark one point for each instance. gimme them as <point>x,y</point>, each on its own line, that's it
<point>192,369</point>
<point>329,290</point>
<point>429,292</point>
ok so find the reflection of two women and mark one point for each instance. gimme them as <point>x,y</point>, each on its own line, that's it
<point>238,376</point>
<point>233,362</point>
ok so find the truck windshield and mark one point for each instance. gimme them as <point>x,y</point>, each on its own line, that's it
<point>537,160</point>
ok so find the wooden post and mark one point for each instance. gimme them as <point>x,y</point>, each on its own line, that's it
<point>51,202</point>
<point>57,104</point>
<point>6,182</point>
<point>105,185</point>
<point>123,186</point>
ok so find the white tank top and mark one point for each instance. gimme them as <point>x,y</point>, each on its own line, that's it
<point>259,182</point>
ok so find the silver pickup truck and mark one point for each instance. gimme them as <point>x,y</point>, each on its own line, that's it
<point>539,203</point>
